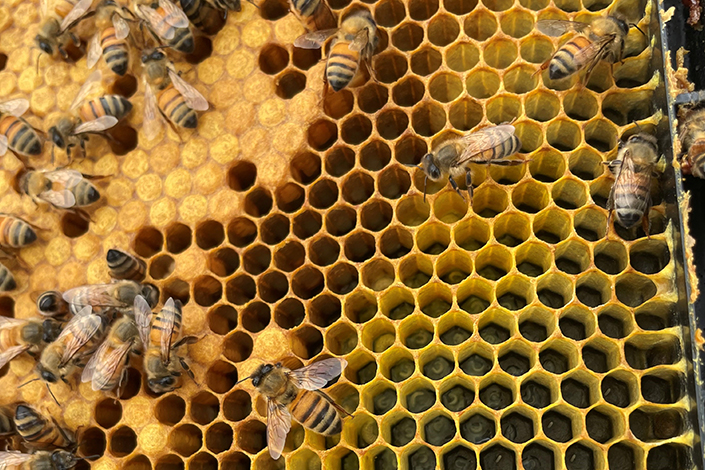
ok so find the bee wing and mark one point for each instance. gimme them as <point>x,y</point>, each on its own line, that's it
<point>143,318</point>
<point>174,15</point>
<point>592,54</point>
<point>76,12</point>
<point>64,176</point>
<point>3,145</point>
<point>154,19</point>
<point>11,353</point>
<point>97,125</point>
<point>13,459</point>
<point>97,298</point>
<point>82,331</point>
<point>7,322</point>
<point>194,99</point>
<point>15,107</point>
<point>628,177</point>
<point>152,123</point>
<point>109,365</point>
<point>62,199</point>
<point>278,426</point>
<point>94,51</point>
<point>317,375</point>
<point>167,329</point>
<point>484,139</point>
<point>122,29</point>
<point>44,7</point>
<point>89,370</point>
<point>560,27</point>
<point>314,39</point>
<point>360,41</point>
<point>90,86</point>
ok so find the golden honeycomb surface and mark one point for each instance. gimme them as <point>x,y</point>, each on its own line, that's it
<point>512,331</point>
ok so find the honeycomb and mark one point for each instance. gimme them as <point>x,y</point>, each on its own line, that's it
<point>513,331</point>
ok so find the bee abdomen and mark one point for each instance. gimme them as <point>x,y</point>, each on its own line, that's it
<point>175,107</point>
<point>7,280</point>
<point>564,63</point>
<point>316,413</point>
<point>34,428</point>
<point>115,51</point>
<point>16,233</point>
<point>22,138</point>
<point>183,41</point>
<point>125,266</point>
<point>107,105</point>
<point>306,7</point>
<point>340,70</point>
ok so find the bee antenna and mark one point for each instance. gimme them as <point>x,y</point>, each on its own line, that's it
<point>253,3</point>
<point>27,383</point>
<point>39,54</point>
<point>88,457</point>
<point>52,395</point>
<point>425,180</point>
<point>411,165</point>
<point>638,28</point>
<point>243,380</point>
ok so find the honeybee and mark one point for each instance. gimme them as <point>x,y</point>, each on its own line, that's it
<point>16,133</point>
<point>7,426</point>
<point>15,233</point>
<point>355,41</point>
<point>692,137</point>
<point>630,197</point>
<point>62,188</point>
<point>80,337</point>
<point>491,145</point>
<point>315,15</point>
<point>7,280</point>
<point>118,295</point>
<point>88,116</point>
<point>39,432</point>
<point>42,460</point>
<point>54,32</point>
<point>30,336</point>
<point>110,40</point>
<point>204,15</point>
<point>51,304</point>
<point>107,368</point>
<point>603,39</point>
<point>296,393</point>
<point>125,266</point>
<point>161,337</point>
<point>168,24</point>
<point>175,99</point>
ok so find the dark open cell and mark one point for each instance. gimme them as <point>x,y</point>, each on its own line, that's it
<point>131,384</point>
<point>219,437</point>
<point>476,365</point>
<point>514,363</point>
<point>576,393</point>
<point>322,134</point>
<point>557,426</point>
<point>237,346</point>
<point>237,406</point>
<point>420,400</point>
<point>621,457</point>
<point>477,429</point>
<point>204,408</point>
<point>667,457</point>
<point>222,319</point>
<point>553,361</point>
<point>422,459</point>
<point>123,441</point>
<point>255,317</point>
<point>662,388</point>
<point>611,326</point>
<point>517,428</point>
<point>372,98</point>
<point>385,460</point>
<point>615,391</point>
<point>108,412</point>
<point>177,289</point>
<point>437,368</point>
<point>599,426</point>
<point>252,436</point>
<point>533,331</point>
<point>289,313</point>
<point>402,370</point>
<point>207,291</point>
<point>498,457</point>
<point>241,232</point>
<point>222,262</point>
<point>660,351</point>
<point>572,328</point>
<point>178,238</point>
<point>461,458</point>
<point>161,267</point>
<point>439,431</point>
<point>290,197</point>
<point>290,84</point>
<point>306,342</point>
<point>73,224</point>
<point>148,242</point>
<point>392,123</point>
<point>494,334</point>
<point>138,462</point>
<point>455,336</point>
<point>305,167</point>
<point>537,457</point>
<point>579,457</point>
<point>403,431</point>
<point>92,443</point>
<point>496,396</point>
<point>240,290</point>
<point>536,395</point>
<point>258,203</point>
<point>221,377</point>
<point>242,175</point>
<point>457,398</point>
<point>272,286</point>
<point>384,401</point>
<point>170,462</point>
<point>650,425</point>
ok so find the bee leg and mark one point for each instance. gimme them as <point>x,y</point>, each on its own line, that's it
<point>455,186</point>
<point>188,370</point>
<point>468,183</point>
<point>646,224</point>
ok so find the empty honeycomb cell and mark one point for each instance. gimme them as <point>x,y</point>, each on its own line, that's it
<point>290,84</point>
<point>417,396</point>
<point>324,310</point>
<point>237,346</point>
<point>341,278</point>
<point>634,289</point>
<point>661,386</point>
<point>362,367</point>
<point>600,355</point>
<point>655,315</point>
<point>138,462</point>
<point>496,392</point>
<point>535,49</point>
<point>108,413</point>
<point>580,105</point>
<point>322,134</point>
<point>256,259</point>
<point>421,10</point>
<point>378,335</point>
<point>449,207</point>
<point>666,456</point>
<point>407,37</point>
<point>177,289</point>
<point>517,426</point>
<point>511,229</point>
<point>563,135</point>
<point>530,196</point>
<point>514,292</point>
<point>482,83</point>
<point>397,303</point>
<point>132,384</point>
<point>558,357</point>
<point>443,30</point>
<point>339,160</point>
<point>395,242</point>
<point>258,203</point>
<point>397,364</point>
<point>476,360</point>
<point>516,359</point>
<point>493,262</point>
<point>273,58</point>
<point>237,406</point>
<point>307,282</point>
<point>410,149</point>
<point>305,167</point>
<point>361,431</point>
<point>517,23</point>
<point>323,194</point>
<point>428,119</point>
<point>339,221</point>
<point>547,165</point>
<point>552,225</point>
<point>623,108</point>
<point>92,442</point>
<point>185,440</point>
<point>533,259</point>
<point>251,436</point>
<point>498,457</point>
<point>74,225</point>
<point>480,25</point>
<point>561,423</point>
<point>207,291</point>
<point>374,156</point>
<point>453,267</point>
<point>222,319</point>
<point>593,289</point>
<point>170,462</point>
<point>356,129</point>
<point>290,256</point>
<point>435,299</point>
<point>541,105</point>
<point>219,438</point>
<point>240,289</point>
<point>569,194</point>
<point>471,234</point>
<point>645,351</point>
<point>338,105</point>
<point>615,321</point>
<point>503,108</point>
<point>601,135</point>
<point>478,428</point>
<point>624,456</point>
<point>474,296</point>
<point>290,197</point>
<point>539,390</point>
<point>465,114</point>
<point>358,187</point>
<point>445,87</point>
<point>499,53</point>
<point>222,262</point>
<point>408,92</point>
<point>411,211</point>
<point>242,176</point>
<point>572,256</point>
<point>437,429</point>
<point>242,231</point>
<point>148,242</point>
<point>536,324</point>
<point>600,190</point>
<point>530,135</point>
<point>651,424</point>
<point>521,79</point>
<point>580,456</point>
<point>538,456</point>
<point>457,393</point>
<point>305,459</point>
<point>649,256</point>
<point>306,342</point>
<point>161,267</point>
<point>436,362</point>
<point>178,238</point>
<point>378,274</point>
<point>610,257</point>
<point>324,251</point>
<point>603,423</point>
<point>221,377</point>
<point>255,317</point>
<point>389,13</point>
<point>360,307</point>
<point>620,388</point>
<point>391,66</point>
<point>416,332</point>
<point>392,123</point>
<point>204,408</point>
<point>576,323</point>
<point>489,200</point>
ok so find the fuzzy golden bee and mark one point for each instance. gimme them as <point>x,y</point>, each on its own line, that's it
<point>40,432</point>
<point>7,280</point>
<point>42,460</point>
<point>451,159</point>
<point>315,15</point>
<point>168,24</point>
<point>107,368</point>
<point>603,39</point>
<point>691,133</point>
<point>175,99</point>
<point>119,295</point>
<point>110,42</point>
<point>354,42</point>
<point>52,304</point>
<point>296,394</point>
<point>62,188</point>
<point>630,197</point>
<point>125,266</point>
<point>30,336</point>
<point>161,335</point>
<point>55,30</point>
<point>16,133</point>
<point>85,116</point>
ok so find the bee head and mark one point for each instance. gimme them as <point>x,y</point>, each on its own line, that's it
<point>261,373</point>
<point>56,137</point>
<point>644,138</point>
<point>46,375</point>
<point>150,292</point>
<point>152,55</point>
<point>163,384</point>
<point>63,460</point>
<point>44,44</point>
<point>430,168</point>
<point>52,330</point>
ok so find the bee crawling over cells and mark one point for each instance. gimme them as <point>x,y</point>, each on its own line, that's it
<point>125,266</point>
<point>161,336</point>
<point>42,460</point>
<point>315,15</point>
<point>175,99</point>
<point>451,159</point>
<point>167,24</point>
<point>119,295</point>
<point>603,39</point>
<point>692,136</point>
<point>30,336</point>
<point>630,197</point>
<point>62,188</point>
<point>93,116</point>
<point>40,432</point>
<point>297,394</point>
<point>354,42</point>
<point>55,31</point>
<point>16,133</point>
<point>51,304</point>
<point>110,41</point>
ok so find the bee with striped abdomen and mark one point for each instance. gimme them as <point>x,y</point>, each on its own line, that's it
<point>161,335</point>
<point>630,197</point>
<point>16,133</point>
<point>79,339</point>
<point>107,368</point>
<point>7,280</point>
<point>40,432</point>
<point>296,393</point>
<point>119,295</point>
<point>63,188</point>
<point>54,32</point>
<point>315,15</point>
<point>174,99</point>
<point>603,39</point>
<point>691,133</point>
<point>168,24</point>
<point>125,266</point>
<point>93,116</point>
<point>355,42</point>
<point>110,41</point>
<point>204,15</point>
<point>491,145</point>
<point>15,233</point>
<point>51,304</point>
<point>30,336</point>
<point>42,460</point>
